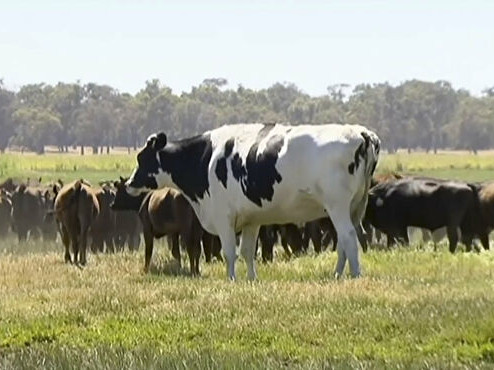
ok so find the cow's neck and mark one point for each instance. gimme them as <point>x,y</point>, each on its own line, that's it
<point>187,163</point>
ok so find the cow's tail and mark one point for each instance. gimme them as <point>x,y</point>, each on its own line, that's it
<point>366,155</point>
<point>373,146</point>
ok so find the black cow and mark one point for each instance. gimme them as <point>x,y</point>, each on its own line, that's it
<point>427,203</point>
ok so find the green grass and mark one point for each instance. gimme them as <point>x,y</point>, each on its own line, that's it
<point>414,308</point>
<point>51,167</point>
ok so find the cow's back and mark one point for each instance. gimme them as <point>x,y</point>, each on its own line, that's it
<point>280,174</point>
<point>420,202</point>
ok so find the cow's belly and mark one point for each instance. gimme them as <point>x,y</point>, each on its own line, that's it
<point>292,211</point>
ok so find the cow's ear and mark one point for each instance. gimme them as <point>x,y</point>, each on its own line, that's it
<point>160,141</point>
<point>55,189</point>
<point>150,141</point>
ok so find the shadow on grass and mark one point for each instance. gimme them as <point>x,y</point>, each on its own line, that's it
<point>168,268</point>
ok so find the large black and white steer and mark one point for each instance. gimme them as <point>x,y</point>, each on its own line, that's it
<point>238,177</point>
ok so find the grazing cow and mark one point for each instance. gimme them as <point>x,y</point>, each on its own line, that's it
<point>76,207</point>
<point>426,203</point>
<point>238,177</point>
<point>28,211</point>
<point>164,212</point>
<point>5,212</point>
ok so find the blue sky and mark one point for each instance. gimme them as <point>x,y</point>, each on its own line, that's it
<point>256,43</point>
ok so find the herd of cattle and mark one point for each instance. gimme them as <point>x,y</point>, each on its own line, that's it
<point>261,182</point>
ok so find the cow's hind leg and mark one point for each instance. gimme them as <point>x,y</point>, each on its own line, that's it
<point>64,234</point>
<point>248,249</point>
<point>347,246</point>
<point>148,248</point>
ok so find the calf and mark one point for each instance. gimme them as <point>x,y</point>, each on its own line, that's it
<point>426,203</point>
<point>164,212</point>
<point>76,207</point>
<point>239,177</point>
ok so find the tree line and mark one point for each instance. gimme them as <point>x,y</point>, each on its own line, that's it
<point>413,115</point>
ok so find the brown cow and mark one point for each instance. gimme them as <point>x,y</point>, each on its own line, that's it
<point>103,227</point>
<point>486,225</point>
<point>164,212</point>
<point>76,208</point>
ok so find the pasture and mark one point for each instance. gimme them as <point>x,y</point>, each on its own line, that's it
<point>413,308</point>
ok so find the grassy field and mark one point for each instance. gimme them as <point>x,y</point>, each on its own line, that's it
<point>413,308</point>
<point>94,168</point>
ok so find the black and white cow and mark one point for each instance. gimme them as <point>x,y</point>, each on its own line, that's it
<point>238,177</point>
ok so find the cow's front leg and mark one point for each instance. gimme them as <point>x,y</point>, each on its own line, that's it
<point>229,246</point>
<point>248,249</point>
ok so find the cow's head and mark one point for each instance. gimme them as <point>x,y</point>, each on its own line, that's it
<point>146,175</point>
<point>123,201</point>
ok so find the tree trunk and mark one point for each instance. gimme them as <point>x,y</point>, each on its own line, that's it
<point>107,149</point>
<point>82,149</point>
<point>95,149</point>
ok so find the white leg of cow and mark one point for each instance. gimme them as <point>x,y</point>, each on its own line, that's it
<point>248,249</point>
<point>347,242</point>
<point>228,244</point>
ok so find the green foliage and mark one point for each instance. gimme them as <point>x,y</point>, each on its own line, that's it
<point>414,114</point>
